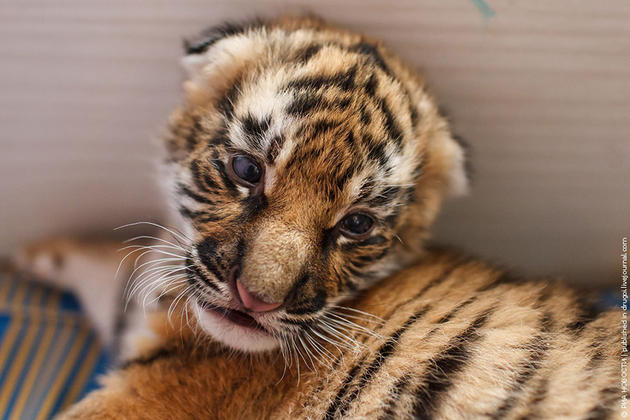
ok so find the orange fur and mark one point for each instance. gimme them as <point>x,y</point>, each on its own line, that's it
<point>348,161</point>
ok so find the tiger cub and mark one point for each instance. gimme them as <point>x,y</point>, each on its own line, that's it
<point>305,169</point>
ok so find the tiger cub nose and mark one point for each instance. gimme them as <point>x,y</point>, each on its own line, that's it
<point>253,302</point>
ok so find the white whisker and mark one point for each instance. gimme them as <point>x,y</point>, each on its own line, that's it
<point>169,248</point>
<point>154,238</point>
<point>156,262</point>
<point>348,308</point>
<point>176,235</point>
<point>344,340</point>
<point>341,321</point>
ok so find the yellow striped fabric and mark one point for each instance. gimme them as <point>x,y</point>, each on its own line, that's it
<point>49,354</point>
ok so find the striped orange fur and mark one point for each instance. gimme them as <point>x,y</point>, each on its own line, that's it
<point>305,169</point>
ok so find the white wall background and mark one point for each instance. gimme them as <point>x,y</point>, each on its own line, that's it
<point>541,92</point>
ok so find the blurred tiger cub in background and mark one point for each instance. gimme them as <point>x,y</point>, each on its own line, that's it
<point>304,170</point>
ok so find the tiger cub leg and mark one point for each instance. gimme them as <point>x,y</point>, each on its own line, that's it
<point>90,270</point>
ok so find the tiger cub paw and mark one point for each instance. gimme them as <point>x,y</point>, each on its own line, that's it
<point>67,262</point>
<point>47,259</point>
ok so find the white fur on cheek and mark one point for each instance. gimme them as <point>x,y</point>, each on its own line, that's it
<point>232,335</point>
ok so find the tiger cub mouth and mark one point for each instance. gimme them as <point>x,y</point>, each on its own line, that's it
<point>235,316</point>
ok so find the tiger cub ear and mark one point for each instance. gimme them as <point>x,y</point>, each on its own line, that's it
<point>215,56</point>
<point>448,158</point>
<point>459,183</point>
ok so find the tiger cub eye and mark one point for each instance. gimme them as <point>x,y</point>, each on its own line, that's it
<point>356,224</point>
<point>247,169</point>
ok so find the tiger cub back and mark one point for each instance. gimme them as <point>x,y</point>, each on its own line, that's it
<point>449,338</point>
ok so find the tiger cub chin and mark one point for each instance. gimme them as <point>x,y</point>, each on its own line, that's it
<point>305,169</point>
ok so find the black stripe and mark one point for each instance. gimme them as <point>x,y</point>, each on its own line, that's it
<point>184,190</point>
<point>304,55</point>
<point>417,172</point>
<point>596,360</point>
<point>199,179</point>
<point>376,150</point>
<point>350,141</point>
<point>274,148</point>
<point>371,257</point>
<point>241,247</point>
<point>354,273</point>
<point>390,122</point>
<point>302,153</point>
<point>358,263</point>
<point>210,182</point>
<point>604,406</point>
<point>391,125</point>
<point>386,196</point>
<point>220,138</point>
<point>309,305</point>
<point>537,351</point>
<point>299,322</point>
<point>371,51</point>
<point>366,118</point>
<point>392,219</point>
<point>435,282</point>
<point>228,101</point>
<point>343,80</point>
<point>342,103</point>
<point>328,242</point>
<point>207,218</point>
<point>332,409</point>
<point>306,102</point>
<point>389,412</point>
<point>323,125</point>
<point>505,278</point>
<point>579,325</point>
<point>191,137</point>
<point>296,290</point>
<point>210,36</point>
<point>199,276</point>
<point>341,405</point>
<point>446,318</point>
<point>344,177</point>
<point>393,130</point>
<point>588,312</point>
<point>207,252</point>
<point>371,85</point>
<point>255,130</point>
<point>366,189</point>
<point>188,213</point>
<point>372,240</point>
<point>413,112</point>
<point>227,182</point>
<point>252,206</point>
<point>438,376</point>
<point>599,338</point>
<point>212,268</point>
<point>207,248</point>
<point>539,395</point>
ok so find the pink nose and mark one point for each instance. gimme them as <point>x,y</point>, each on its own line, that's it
<point>252,302</point>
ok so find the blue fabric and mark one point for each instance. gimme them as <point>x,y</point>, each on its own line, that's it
<point>49,355</point>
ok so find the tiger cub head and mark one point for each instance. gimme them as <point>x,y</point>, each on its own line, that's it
<point>306,164</point>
